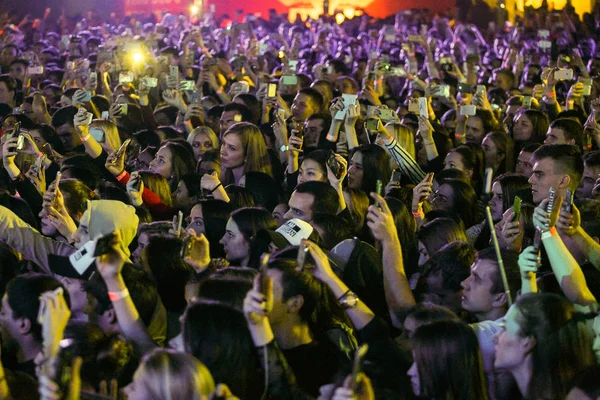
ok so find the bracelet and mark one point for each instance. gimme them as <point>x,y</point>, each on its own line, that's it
<point>428,143</point>
<point>418,214</point>
<point>122,175</point>
<point>460,135</point>
<point>40,155</point>
<point>552,94</point>
<point>85,138</point>
<point>549,233</point>
<point>116,296</point>
<point>344,295</point>
<point>216,187</point>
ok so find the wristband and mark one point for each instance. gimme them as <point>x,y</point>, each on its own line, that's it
<point>85,138</point>
<point>344,295</point>
<point>220,90</point>
<point>216,187</point>
<point>552,94</point>
<point>418,214</point>
<point>116,296</point>
<point>122,175</point>
<point>40,155</point>
<point>460,135</point>
<point>549,233</point>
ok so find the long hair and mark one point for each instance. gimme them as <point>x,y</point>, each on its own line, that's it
<point>167,374</point>
<point>158,185</point>
<point>376,166</point>
<point>449,361</point>
<point>182,162</point>
<point>218,336</point>
<point>474,160</point>
<point>437,233</point>
<point>358,207</point>
<point>512,185</point>
<point>255,150</point>
<point>206,130</point>
<point>404,136</point>
<point>539,122</point>
<point>252,219</point>
<point>562,345</point>
<point>505,146</point>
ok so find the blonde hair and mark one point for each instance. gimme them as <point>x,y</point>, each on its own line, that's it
<point>157,184</point>
<point>404,137</point>
<point>255,150</point>
<point>170,375</point>
<point>111,133</point>
<point>205,130</point>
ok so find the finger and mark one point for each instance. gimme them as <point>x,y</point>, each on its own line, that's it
<point>75,384</point>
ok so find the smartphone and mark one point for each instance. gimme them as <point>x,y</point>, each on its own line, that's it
<point>293,65</point>
<point>517,209</point>
<point>196,98</point>
<point>543,33</point>
<point>263,275</point>
<point>137,182</point>
<point>174,74</point>
<point>150,82</point>
<point>93,77</point>
<point>348,99</point>
<point>372,124</point>
<point>564,74</point>
<point>186,247</point>
<point>105,115</point>
<point>429,177</point>
<point>489,174</point>
<point>104,245</point>
<point>414,38</point>
<point>551,198</point>
<point>423,110</point>
<point>568,203</point>
<point>187,85</point>
<point>57,180</point>
<point>379,187</point>
<point>441,91</point>
<point>122,148</point>
<point>468,110</point>
<point>386,114</point>
<point>333,164</point>
<point>481,91</point>
<point>289,80</point>
<point>359,356</point>
<point>125,77</point>
<point>526,102</point>
<point>587,85</point>
<point>413,107</point>
<point>16,130</point>
<point>396,176</point>
<point>544,44</point>
<point>464,88</point>
<point>301,257</point>
<point>179,222</point>
<point>37,70</point>
<point>20,143</point>
<point>124,109</point>
<point>272,90</point>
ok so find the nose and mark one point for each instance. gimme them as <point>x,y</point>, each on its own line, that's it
<point>222,241</point>
<point>531,179</point>
<point>288,215</point>
<point>464,284</point>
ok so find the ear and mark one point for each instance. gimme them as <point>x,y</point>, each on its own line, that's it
<point>110,316</point>
<point>499,300</point>
<point>294,304</point>
<point>469,173</point>
<point>564,182</point>
<point>528,344</point>
<point>24,326</point>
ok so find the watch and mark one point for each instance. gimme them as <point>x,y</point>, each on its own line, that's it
<point>284,147</point>
<point>349,300</point>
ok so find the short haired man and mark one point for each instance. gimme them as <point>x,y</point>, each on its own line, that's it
<point>557,166</point>
<point>310,198</point>
<point>8,90</point>
<point>524,164</point>
<point>316,126</point>
<point>308,101</point>
<point>591,172</point>
<point>503,79</point>
<point>233,113</point>
<point>62,121</point>
<point>19,317</point>
<point>565,131</point>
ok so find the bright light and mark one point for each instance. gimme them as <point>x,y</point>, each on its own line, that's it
<point>502,6</point>
<point>194,10</point>
<point>138,57</point>
<point>349,13</point>
<point>339,18</point>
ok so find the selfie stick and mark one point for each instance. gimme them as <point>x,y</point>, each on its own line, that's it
<point>488,213</point>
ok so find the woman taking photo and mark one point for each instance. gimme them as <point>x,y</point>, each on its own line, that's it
<point>544,344</point>
<point>243,150</point>
<point>368,164</point>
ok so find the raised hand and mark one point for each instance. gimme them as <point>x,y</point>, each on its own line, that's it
<point>380,220</point>
<point>197,251</point>
<point>529,261</point>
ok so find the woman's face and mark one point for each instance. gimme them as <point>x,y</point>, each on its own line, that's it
<point>196,220</point>
<point>423,254</point>
<point>413,373</point>
<point>234,243</point>
<point>77,293</point>
<point>522,129</point>
<point>511,348</point>
<point>181,196</point>
<point>443,198</point>
<point>279,213</point>
<point>493,157</point>
<point>201,144</point>
<point>355,171</point>
<point>454,160</point>
<point>162,163</point>
<point>232,152</point>
<point>37,138</point>
<point>496,202</point>
<point>310,170</point>
<point>136,390</point>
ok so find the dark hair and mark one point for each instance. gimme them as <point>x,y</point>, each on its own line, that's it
<point>315,96</point>
<point>406,227</point>
<point>333,228</point>
<point>182,162</point>
<point>242,109</point>
<point>464,202</point>
<point>264,189</point>
<point>218,336</point>
<point>147,137</point>
<point>437,233</point>
<point>452,262</point>
<point>252,103</point>
<point>376,166</point>
<point>10,82</point>
<point>510,260</point>
<point>63,116</point>
<point>239,197</point>
<point>504,146</point>
<point>113,191</point>
<point>512,185</point>
<point>323,143</point>
<point>449,361</point>
<point>451,173</point>
<point>588,383</point>
<point>228,291</point>
<point>23,295</point>
<point>539,122</point>
<point>252,219</point>
<point>592,159</point>
<point>76,196</point>
<point>169,271</point>
<point>20,207</point>
<point>572,129</point>
<point>562,345</point>
<point>325,198</point>
<point>567,159</point>
<point>48,133</point>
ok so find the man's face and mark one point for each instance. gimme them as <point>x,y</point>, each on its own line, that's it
<point>543,178</point>
<point>557,136</point>
<point>6,96</point>
<point>590,174</point>
<point>524,164</point>
<point>11,327</point>
<point>477,297</point>
<point>300,207</point>
<point>502,81</point>
<point>303,107</point>
<point>69,138</point>
<point>437,293</point>
<point>229,118</point>
<point>17,71</point>
<point>475,130</point>
<point>312,132</point>
<point>8,55</point>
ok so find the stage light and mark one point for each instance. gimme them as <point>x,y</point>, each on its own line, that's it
<point>194,9</point>
<point>339,18</point>
<point>138,57</point>
<point>349,13</point>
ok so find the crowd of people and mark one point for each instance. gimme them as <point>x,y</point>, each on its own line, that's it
<point>213,208</point>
